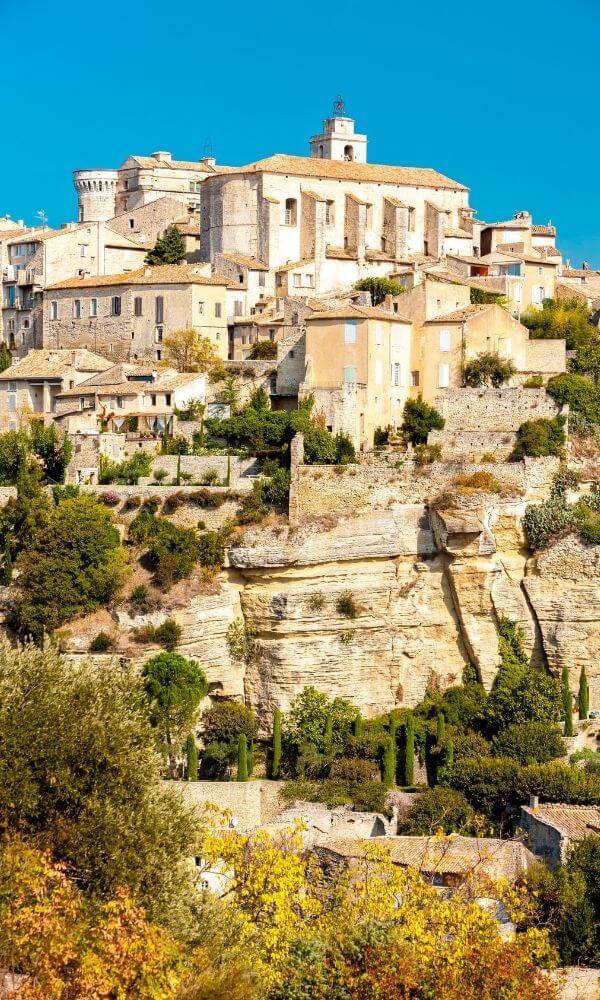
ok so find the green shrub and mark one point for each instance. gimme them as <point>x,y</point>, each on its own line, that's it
<point>521,693</point>
<point>479,481</point>
<point>308,718</point>
<point>225,721</point>
<point>126,473</point>
<point>263,350</point>
<point>316,602</point>
<point>160,475</point>
<point>168,634</point>
<point>488,369</point>
<point>101,643</point>
<point>540,437</point>
<point>347,606</point>
<point>174,445</point>
<point>563,319</point>
<point>552,519</point>
<point>174,687</point>
<point>440,809</point>
<point>241,640</point>
<point>141,599</point>
<point>419,419</point>
<point>211,478</point>
<point>67,492</point>
<point>535,382</point>
<point>489,458</point>
<point>581,395</point>
<point>529,742</point>
<point>379,288</point>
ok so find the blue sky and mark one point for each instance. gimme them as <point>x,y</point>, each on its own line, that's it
<point>502,97</point>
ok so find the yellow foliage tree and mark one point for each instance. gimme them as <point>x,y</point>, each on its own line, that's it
<point>188,351</point>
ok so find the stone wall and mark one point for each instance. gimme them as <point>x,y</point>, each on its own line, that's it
<point>498,410</point>
<point>546,357</point>
<point>239,471</point>
<point>186,515</point>
<point>251,803</point>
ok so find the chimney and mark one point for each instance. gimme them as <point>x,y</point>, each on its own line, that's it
<point>208,161</point>
<point>162,155</point>
<point>147,272</point>
<point>154,374</point>
<point>585,266</point>
<point>534,801</point>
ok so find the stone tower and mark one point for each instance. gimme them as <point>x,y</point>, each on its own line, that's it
<point>339,141</point>
<point>96,194</point>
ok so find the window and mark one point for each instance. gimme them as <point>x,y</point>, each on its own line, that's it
<point>82,250</point>
<point>297,279</point>
<point>350,332</point>
<point>443,376</point>
<point>218,310</point>
<point>158,334</point>
<point>414,379</point>
<point>439,304</point>
<point>329,213</point>
<point>159,355</point>
<point>290,211</point>
<point>192,186</point>
<point>201,308</point>
<point>411,220</point>
<point>153,400</point>
<point>349,153</point>
<point>445,340</point>
<point>93,307</point>
<point>237,307</point>
<point>137,306</point>
<point>132,223</point>
<point>271,335</point>
<point>261,279</point>
<point>115,306</point>
<point>506,347</point>
<point>308,280</point>
<point>119,402</point>
<point>76,308</point>
<point>396,374</point>
<point>349,374</point>
<point>168,398</point>
<point>54,310</point>
<point>159,309</point>
<point>12,402</point>
<point>383,244</point>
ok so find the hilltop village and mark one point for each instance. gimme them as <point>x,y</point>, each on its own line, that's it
<point>315,453</point>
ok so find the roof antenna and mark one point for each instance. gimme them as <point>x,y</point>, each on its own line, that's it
<point>338,106</point>
<point>41,215</point>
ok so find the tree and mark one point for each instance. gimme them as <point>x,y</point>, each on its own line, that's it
<point>418,419</point>
<point>79,770</point>
<point>440,735</point>
<point>379,288</point>
<point>567,702</point>
<point>540,437</point>
<point>388,771</point>
<point>521,693</point>
<point>242,765</point>
<point>584,695</point>
<point>72,565</point>
<point>276,758</point>
<point>225,721</point>
<point>169,248</point>
<point>307,721</point>
<point>409,758</point>
<point>191,756</point>
<point>563,319</point>
<point>488,369</point>
<point>587,360</point>
<point>581,395</point>
<point>440,810</point>
<point>529,742</point>
<point>189,351</point>
<point>53,450</point>
<point>174,688</point>
<point>263,350</point>
<point>5,357</point>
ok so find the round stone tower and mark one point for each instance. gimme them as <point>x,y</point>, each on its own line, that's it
<point>96,194</point>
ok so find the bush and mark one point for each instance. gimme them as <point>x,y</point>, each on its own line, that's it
<point>564,319</point>
<point>379,288</point>
<point>438,810</point>
<point>174,687</point>
<point>488,369</point>
<point>141,599</point>
<point>347,606</point>
<point>353,771</point>
<point>480,481</point>
<point>419,419</point>
<point>225,721</point>
<point>540,437</point>
<point>174,444</point>
<point>529,743</point>
<point>263,350</point>
<point>110,498</point>
<point>172,551</point>
<point>552,519</point>
<point>427,454</point>
<point>276,489</point>
<point>521,693</point>
<point>211,478</point>
<point>126,473</point>
<point>318,722</point>
<point>581,395</point>
<point>67,492</point>
<point>101,643</point>
<point>204,498</point>
<point>535,382</point>
<point>168,634</point>
<point>241,640</point>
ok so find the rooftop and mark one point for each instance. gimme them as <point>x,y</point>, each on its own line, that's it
<point>54,364</point>
<point>573,822</point>
<point>464,314</point>
<point>250,262</point>
<point>165,274</point>
<point>308,166</point>
<point>357,312</point>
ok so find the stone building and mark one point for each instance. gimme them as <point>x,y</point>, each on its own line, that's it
<point>35,258</point>
<point>348,216</point>
<point>127,317</point>
<point>30,387</point>
<point>357,367</point>
<point>552,827</point>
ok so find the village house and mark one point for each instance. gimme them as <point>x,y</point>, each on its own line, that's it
<point>144,225</point>
<point>29,387</point>
<point>127,317</point>
<point>127,397</point>
<point>525,278</point>
<point>357,367</point>
<point>551,828</point>
<point>36,258</point>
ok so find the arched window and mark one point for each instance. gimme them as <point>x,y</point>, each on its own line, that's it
<point>349,153</point>
<point>321,151</point>
<point>290,211</point>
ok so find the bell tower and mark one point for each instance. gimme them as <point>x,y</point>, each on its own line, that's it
<point>339,141</point>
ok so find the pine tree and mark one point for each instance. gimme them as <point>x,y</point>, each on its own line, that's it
<point>242,767</point>
<point>169,249</point>
<point>409,759</point>
<point>584,695</point>
<point>191,754</point>
<point>567,702</point>
<point>388,775</point>
<point>276,761</point>
<point>5,357</point>
<point>250,758</point>
<point>441,729</point>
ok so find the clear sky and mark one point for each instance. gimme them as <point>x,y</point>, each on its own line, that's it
<point>504,97</point>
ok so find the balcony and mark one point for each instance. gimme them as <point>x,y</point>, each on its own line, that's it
<point>27,276</point>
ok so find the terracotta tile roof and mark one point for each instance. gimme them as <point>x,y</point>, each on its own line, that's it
<point>165,274</point>
<point>352,197</point>
<point>574,272</point>
<point>313,195</point>
<point>305,166</point>
<point>295,263</point>
<point>340,253</point>
<point>54,364</point>
<point>152,161</point>
<point>454,855</point>
<point>573,822</point>
<point>543,230</point>
<point>371,254</point>
<point>9,234</point>
<point>448,277</point>
<point>460,234</point>
<point>395,202</point>
<point>357,312</point>
<point>464,314</point>
<point>165,382</point>
<point>243,261</point>
<point>188,228</point>
<point>510,224</point>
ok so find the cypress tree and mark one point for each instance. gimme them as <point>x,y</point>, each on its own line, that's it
<point>250,758</point>
<point>328,739</point>
<point>584,695</point>
<point>5,357</point>
<point>357,726</point>
<point>567,702</point>
<point>409,760</point>
<point>389,764</point>
<point>441,729</point>
<point>449,754</point>
<point>276,759</point>
<point>242,767</point>
<point>191,754</point>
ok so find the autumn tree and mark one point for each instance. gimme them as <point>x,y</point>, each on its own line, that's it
<point>189,351</point>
